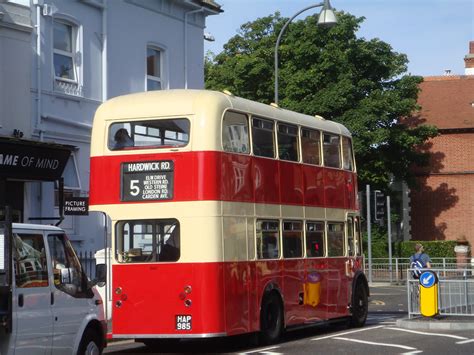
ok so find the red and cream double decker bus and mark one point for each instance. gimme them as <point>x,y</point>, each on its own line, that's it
<point>228,216</point>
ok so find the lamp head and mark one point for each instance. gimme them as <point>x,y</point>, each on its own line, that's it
<point>327,17</point>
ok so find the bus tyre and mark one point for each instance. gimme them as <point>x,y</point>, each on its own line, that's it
<point>90,344</point>
<point>271,319</point>
<point>360,306</point>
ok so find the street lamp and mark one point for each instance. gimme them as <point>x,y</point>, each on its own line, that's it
<point>327,18</point>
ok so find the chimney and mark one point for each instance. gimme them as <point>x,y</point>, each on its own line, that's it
<point>469,60</point>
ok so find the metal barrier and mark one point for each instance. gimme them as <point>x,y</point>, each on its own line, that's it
<point>87,260</point>
<point>455,292</point>
<point>396,271</point>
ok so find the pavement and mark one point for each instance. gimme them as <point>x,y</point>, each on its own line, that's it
<point>419,322</point>
<point>437,323</point>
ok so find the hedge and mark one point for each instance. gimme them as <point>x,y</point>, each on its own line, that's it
<point>435,249</point>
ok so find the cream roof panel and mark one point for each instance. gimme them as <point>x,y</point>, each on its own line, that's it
<point>204,108</point>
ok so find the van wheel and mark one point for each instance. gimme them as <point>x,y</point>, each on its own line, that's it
<point>271,319</point>
<point>89,344</point>
<point>360,306</point>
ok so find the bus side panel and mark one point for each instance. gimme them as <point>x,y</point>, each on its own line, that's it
<point>338,299</point>
<point>315,298</point>
<point>152,296</point>
<point>236,178</point>
<point>291,184</point>
<point>313,185</point>
<point>351,190</point>
<point>266,180</point>
<point>293,291</point>
<point>237,280</point>
<point>334,188</point>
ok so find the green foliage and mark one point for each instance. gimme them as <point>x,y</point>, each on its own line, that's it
<point>330,72</point>
<point>435,249</point>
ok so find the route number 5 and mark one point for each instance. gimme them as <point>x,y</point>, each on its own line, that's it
<point>134,189</point>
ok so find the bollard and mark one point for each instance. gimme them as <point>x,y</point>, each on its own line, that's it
<point>428,293</point>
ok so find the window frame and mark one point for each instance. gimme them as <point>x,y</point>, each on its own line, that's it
<point>249,144</point>
<point>259,255</point>
<point>344,237</point>
<point>75,48</point>
<point>125,257</point>
<point>301,238</point>
<point>326,156</point>
<point>288,126</point>
<point>350,150</point>
<point>274,142</point>
<point>303,150</point>
<point>323,239</point>
<point>148,77</point>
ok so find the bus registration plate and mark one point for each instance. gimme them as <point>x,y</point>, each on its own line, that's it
<point>147,180</point>
<point>183,322</point>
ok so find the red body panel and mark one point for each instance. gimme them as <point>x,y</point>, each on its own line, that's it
<point>225,297</point>
<point>218,176</point>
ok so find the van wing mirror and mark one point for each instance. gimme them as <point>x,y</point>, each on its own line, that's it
<point>66,275</point>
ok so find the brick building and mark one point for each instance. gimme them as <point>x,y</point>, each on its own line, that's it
<point>442,206</point>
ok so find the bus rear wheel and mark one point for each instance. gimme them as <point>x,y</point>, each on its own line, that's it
<point>271,319</point>
<point>360,306</point>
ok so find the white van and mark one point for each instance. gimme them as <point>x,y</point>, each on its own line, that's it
<point>49,307</point>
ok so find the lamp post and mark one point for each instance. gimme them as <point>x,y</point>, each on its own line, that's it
<point>327,18</point>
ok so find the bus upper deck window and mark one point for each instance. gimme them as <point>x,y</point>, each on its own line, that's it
<point>262,135</point>
<point>347,154</point>
<point>311,146</point>
<point>235,133</point>
<point>287,142</point>
<point>331,150</point>
<point>149,134</point>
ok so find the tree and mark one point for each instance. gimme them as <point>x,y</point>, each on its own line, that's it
<point>330,72</point>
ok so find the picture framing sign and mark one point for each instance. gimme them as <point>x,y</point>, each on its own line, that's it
<point>147,180</point>
<point>76,206</point>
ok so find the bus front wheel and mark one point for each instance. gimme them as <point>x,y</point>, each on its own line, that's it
<point>271,319</point>
<point>360,306</point>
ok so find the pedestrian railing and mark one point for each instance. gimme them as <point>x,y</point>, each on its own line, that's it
<point>87,260</point>
<point>455,292</point>
<point>396,271</point>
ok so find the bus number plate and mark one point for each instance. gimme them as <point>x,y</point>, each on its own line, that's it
<point>147,180</point>
<point>183,322</point>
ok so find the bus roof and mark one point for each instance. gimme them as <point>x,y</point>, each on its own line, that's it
<point>183,102</point>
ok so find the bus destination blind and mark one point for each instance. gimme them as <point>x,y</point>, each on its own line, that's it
<point>147,181</point>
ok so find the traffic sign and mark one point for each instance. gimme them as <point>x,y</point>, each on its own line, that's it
<point>427,279</point>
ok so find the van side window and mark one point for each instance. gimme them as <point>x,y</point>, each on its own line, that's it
<point>67,270</point>
<point>29,260</point>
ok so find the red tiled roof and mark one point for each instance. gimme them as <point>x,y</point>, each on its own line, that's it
<point>447,101</point>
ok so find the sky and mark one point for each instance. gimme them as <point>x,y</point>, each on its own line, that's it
<point>434,34</point>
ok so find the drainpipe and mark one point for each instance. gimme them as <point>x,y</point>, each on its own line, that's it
<point>104,52</point>
<point>38,68</point>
